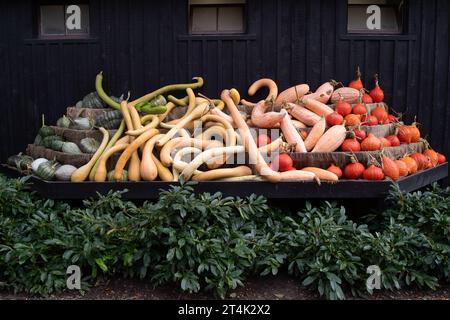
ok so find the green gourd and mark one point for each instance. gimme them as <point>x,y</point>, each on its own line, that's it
<point>56,145</point>
<point>123,177</point>
<point>89,145</point>
<point>92,101</point>
<point>156,102</point>
<point>24,162</point>
<point>154,110</point>
<point>47,141</point>
<point>45,131</point>
<point>82,124</point>
<point>47,170</point>
<point>109,119</point>
<point>12,160</point>
<point>64,122</point>
<point>71,148</point>
<point>113,124</point>
<point>38,140</point>
<point>20,161</point>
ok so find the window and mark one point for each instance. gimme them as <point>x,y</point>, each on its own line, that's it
<point>375,16</point>
<point>216,16</point>
<point>63,20</point>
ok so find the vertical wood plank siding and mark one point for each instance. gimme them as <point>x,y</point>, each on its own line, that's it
<point>141,45</point>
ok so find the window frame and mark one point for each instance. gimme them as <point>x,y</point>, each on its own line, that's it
<point>217,6</point>
<point>400,16</point>
<point>38,27</point>
<point>409,29</point>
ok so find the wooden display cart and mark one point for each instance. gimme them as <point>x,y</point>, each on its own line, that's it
<point>344,189</point>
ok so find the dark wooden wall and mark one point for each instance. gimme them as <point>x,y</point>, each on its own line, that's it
<point>142,45</point>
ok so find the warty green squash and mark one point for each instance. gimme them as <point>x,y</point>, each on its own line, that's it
<point>89,145</point>
<point>47,170</point>
<point>70,147</point>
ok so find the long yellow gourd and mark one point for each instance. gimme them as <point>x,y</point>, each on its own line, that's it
<point>132,150</point>
<point>163,173</point>
<point>196,113</point>
<point>111,143</point>
<point>102,172</point>
<point>148,168</point>
<point>223,173</point>
<point>133,168</point>
<point>82,173</point>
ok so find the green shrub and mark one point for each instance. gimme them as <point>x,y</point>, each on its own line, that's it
<point>209,242</point>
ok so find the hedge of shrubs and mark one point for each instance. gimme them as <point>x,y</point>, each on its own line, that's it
<point>210,242</point>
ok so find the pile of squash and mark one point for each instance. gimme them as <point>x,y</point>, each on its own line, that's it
<point>140,143</point>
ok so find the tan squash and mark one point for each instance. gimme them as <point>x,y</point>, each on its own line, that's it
<point>331,139</point>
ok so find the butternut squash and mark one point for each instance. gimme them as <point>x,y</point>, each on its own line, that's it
<point>314,135</point>
<point>298,175</point>
<point>298,125</point>
<point>331,140</point>
<point>291,134</point>
<point>322,174</point>
<point>263,119</point>
<point>291,95</point>
<point>323,93</point>
<point>317,107</point>
<point>302,114</point>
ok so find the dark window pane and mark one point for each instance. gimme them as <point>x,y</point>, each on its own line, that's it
<point>204,19</point>
<point>84,19</point>
<point>52,20</point>
<point>217,16</point>
<point>231,19</point>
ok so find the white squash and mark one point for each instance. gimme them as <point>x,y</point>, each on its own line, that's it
<point>65,172</point>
